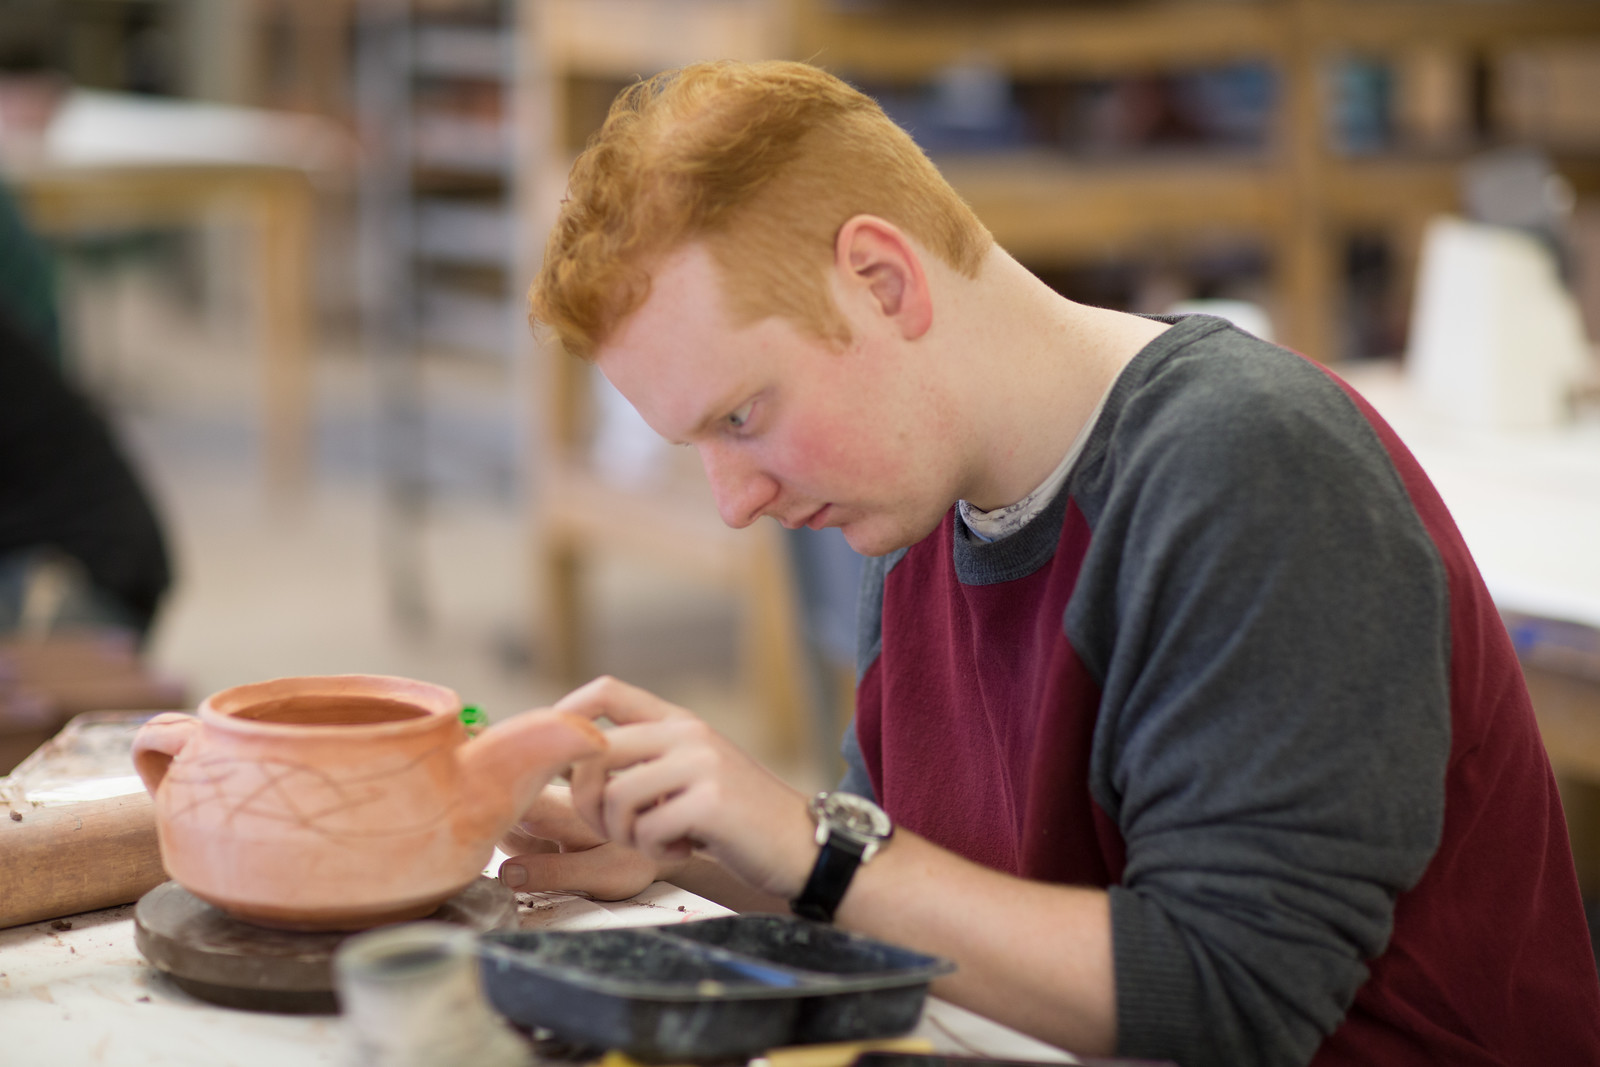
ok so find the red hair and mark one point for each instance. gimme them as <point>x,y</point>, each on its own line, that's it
<point>763,162</point>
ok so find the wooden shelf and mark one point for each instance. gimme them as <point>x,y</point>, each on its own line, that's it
<point>1300,198</point>
<point>1044,209</point>
<point>1386,25</point>
<point>907,41</point>
<point>635,38</point>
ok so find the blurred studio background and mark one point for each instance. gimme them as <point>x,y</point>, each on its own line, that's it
<point>273,406</point>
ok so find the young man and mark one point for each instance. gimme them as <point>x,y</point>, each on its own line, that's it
<point>1199,734</point>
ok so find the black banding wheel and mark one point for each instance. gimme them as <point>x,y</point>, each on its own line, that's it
<point>226,961</point>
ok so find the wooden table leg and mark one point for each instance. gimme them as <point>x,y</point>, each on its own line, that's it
<point>1305,265</point>
<point>563,626</point>
<point>775,676</point>
<point>284,266</point>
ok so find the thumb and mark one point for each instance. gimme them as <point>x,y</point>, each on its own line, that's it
<point>552,817</point>
<point>606,872</point>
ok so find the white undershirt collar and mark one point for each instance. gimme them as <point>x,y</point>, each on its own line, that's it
<point>1003,522</point>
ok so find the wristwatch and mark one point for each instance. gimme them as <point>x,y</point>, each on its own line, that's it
<point>851,830</point>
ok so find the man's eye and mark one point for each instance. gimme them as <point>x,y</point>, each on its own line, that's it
<point>738,418</point>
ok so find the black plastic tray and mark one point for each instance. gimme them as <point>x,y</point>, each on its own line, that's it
<point>711,989</point>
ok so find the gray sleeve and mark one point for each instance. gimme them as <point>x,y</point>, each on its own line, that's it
<point>1269,622</point>
<point>855,778</point>
<point>869,642</point>
<point>869,607</point>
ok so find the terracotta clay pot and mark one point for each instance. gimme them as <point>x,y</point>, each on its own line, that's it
<point>342,802</point>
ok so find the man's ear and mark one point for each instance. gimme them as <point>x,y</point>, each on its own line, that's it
<point>876,258</point>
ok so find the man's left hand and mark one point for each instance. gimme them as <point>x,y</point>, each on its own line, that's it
<point>668,785</point>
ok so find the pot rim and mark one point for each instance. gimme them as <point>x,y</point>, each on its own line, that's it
<point>439,704</point>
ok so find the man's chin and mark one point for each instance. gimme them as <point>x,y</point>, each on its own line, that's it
<point>870,539</point>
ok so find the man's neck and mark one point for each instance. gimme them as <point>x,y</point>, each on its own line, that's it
<point>1034,364</point>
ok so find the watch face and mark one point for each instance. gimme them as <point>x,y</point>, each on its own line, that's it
<point>855,815</point>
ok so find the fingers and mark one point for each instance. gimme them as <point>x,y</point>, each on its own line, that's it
<point>630,793</point>
<point>552,818</point>
<point>656,758</point>
<point>608,872</point>
<point>618,701</point>
<point>665,832</point>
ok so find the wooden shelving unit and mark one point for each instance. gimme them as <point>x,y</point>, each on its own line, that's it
<point>436,96</point>
<point>1297,198</point>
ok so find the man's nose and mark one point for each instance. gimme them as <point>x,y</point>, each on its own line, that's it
<point>742,491</point>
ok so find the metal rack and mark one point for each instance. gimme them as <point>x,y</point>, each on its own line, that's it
<point>442,255</point>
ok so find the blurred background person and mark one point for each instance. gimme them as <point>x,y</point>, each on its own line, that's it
<point>81,544</point>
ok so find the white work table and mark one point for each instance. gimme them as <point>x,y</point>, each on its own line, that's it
<point>84,995</point>
<point>108,161</point>
<point>1527,502</point>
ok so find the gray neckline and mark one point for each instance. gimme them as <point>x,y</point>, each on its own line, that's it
<point>979,562</point>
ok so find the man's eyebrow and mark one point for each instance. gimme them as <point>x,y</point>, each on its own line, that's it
<point>694,431</point>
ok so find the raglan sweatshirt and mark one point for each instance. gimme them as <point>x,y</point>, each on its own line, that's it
<point>1243,673</point>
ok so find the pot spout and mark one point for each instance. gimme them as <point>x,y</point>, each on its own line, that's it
<point>504,768</point>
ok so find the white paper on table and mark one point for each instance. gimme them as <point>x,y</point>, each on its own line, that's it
<point>73,792</point>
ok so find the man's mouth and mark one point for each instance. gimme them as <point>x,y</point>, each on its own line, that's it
<point>813,521</point>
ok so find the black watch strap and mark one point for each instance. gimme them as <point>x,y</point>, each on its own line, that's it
<point>836,865</point>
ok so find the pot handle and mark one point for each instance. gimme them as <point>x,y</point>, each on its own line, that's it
<point>157,742</point>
